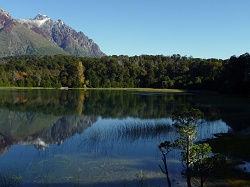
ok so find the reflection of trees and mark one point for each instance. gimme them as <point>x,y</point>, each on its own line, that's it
<point>57,102</point>
<point>122,104</point>
<point>234,110</point>
<point>98,103</point>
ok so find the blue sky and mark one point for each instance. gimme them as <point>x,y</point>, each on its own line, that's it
<point>198,28</point>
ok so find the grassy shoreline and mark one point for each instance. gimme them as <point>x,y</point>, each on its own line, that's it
<point>141,89</point>
<point>125,89</point>
<point>26,88</point>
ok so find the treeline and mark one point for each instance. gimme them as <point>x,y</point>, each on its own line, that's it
<point>42,71</point>
<point>231,75</point>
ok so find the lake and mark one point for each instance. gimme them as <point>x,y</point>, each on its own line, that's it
<point>101,138</point>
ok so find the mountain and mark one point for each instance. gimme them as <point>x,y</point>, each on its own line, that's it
<point>71,41</point>
<point>42,36</point>
<point>16,39</point>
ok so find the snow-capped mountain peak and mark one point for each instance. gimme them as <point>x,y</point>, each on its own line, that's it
<point>41,17</point>
<point>38,21</point>
<point>58,33</point>
<point>59,22</point>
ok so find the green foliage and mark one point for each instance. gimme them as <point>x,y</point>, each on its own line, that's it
<point>185,124</point>
<point>236,75</point>
<point>42,71</point>
<point>232,145</point>
<point>159,71</point>
<point>204,161</point>
<point>197,158</point>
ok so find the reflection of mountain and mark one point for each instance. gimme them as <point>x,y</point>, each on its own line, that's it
<point>39,129</point>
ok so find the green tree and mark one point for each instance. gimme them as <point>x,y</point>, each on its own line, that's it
<point>197,158</point>
<point>73,75</point>
<point>46,81</point>
<point>63,77</point>
<point>185,124</point>
<point>93,79</point>
<point>80,74</point>
<point>203,161</point>
<point>167,82</point>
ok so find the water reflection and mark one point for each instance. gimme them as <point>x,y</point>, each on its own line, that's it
<point>91,138</point>
<point>102,153</point>
<point>40,130</point>
<point>108,104</point>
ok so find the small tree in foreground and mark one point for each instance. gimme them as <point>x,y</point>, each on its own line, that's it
<point>185,124</point>
<point>165,147</point>
<point>204,161</point>
<point>197,158</point>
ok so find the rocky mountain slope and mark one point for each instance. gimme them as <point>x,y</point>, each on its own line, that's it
<point>42,35</point>
<point>16,39</point>
<point>75,43</point>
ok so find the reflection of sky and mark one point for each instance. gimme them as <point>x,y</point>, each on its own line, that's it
<point>245,167</point>
<point>107,135</point>
<point>207,130</point>
<point>111,140</point>
<point>104,127</point>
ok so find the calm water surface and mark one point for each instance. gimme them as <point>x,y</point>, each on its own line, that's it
<point>99,138</point>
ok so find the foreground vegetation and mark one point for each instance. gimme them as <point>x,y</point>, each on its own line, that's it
<point>196,157</point>
<point>234,146</point>
<point>179,72</point>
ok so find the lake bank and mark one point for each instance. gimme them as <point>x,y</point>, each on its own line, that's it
<point>122,89</point>
<point>235,146</point>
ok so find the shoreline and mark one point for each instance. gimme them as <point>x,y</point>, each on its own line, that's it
<point>125,89</point>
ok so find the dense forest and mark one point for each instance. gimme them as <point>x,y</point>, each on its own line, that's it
<point>146,71</point>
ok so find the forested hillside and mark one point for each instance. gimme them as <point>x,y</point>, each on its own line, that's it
<point>232,75</point>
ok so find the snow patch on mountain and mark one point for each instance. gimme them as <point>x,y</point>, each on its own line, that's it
<point>41,17</point>
<point>60,22</point>
<point>33,22</point>
<point>68,39</point>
